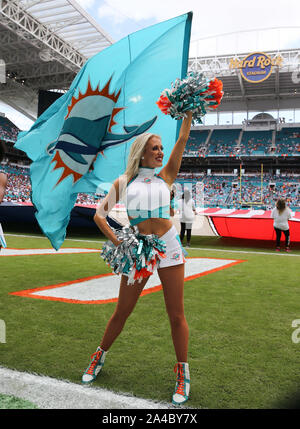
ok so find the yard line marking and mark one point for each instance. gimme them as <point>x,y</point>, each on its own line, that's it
<point>45,238</point>
<point>104,288</point>
<point>50,393</point>
<point>33,252</point>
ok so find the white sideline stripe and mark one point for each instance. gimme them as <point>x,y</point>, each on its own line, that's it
<point>190,248</point>
<point>45,238</point>
<point>63,251</point>
<point>283,253</point>
<point>50,393</point>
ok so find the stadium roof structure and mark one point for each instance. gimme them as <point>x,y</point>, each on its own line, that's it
<point>281,90</point>
<point>43,44</point>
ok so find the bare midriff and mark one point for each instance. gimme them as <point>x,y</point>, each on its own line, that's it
<point>156,226</point>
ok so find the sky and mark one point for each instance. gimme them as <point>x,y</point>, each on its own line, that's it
<point>217,17</point>
<point>120,18</point>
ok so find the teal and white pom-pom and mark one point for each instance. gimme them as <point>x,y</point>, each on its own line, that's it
<point>136,256</point>
<point>195,93</point>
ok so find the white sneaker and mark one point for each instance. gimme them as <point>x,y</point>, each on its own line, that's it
<point>182,387</point>
<point>95,366</point>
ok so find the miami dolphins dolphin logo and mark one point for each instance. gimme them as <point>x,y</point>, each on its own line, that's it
<point>87,131</point>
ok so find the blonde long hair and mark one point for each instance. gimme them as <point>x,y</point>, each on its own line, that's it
<point>136,152</point>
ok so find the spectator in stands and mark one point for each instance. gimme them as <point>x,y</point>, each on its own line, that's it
<point>218,189</point>
<point>187,215</point>
<point>8,130</point>
<point>281,215</point>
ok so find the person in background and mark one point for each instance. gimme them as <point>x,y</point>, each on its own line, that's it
<point>187,215</point>
<point>3,176</point>
<point>281,215</point>
<point>172,201</point>
<point>3,184</point>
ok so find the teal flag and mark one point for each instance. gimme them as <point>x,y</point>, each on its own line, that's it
<point>82,141</point>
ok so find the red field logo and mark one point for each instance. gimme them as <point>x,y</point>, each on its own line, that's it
<point>104,288</point>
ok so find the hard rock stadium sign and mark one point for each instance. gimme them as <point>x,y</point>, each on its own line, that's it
<point>256,67</point>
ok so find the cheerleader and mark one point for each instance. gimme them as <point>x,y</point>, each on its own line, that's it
<point>147,198</point>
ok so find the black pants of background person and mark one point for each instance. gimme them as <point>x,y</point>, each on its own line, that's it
<point>278,237</point>
<point>182,232</point>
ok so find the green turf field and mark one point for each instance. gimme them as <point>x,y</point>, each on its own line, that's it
<point>241,352</point>
<point>11,402</point>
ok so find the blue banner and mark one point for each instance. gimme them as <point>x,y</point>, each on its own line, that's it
<point>82,141</point>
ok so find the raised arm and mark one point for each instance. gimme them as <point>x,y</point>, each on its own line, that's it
<point>106,206</point>
<point>171,169</point>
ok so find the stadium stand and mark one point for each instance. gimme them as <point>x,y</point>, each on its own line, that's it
<point>196,145</point>
<point>263,136</point>
<point>19,187</point>
<point>211,161</point>
<point>223,142</point>
<point>8,130</point>
<point>219,190</point>
<point>216,189</point>
<point>288,141</point>
<point>224,191</point>
<point>255,142</point>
